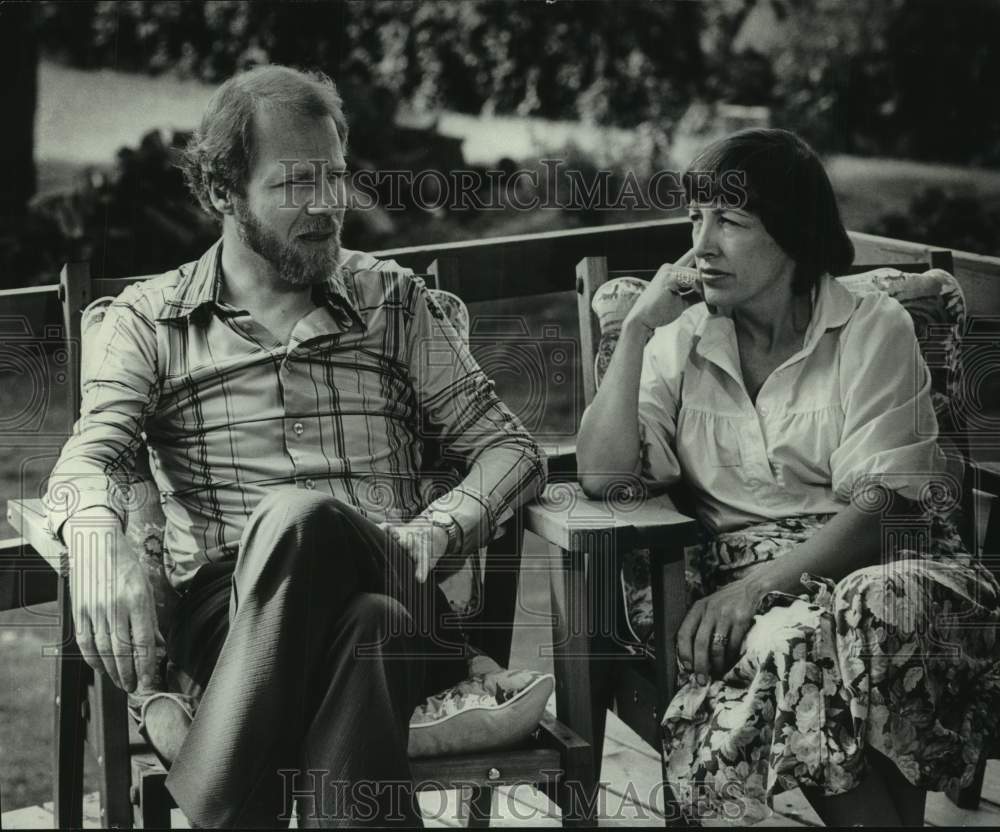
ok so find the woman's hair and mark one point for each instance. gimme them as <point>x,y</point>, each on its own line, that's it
<point>221,150</point>
<point>777,176</point>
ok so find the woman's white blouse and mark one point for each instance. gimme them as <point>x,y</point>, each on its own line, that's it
<point>853,404</point>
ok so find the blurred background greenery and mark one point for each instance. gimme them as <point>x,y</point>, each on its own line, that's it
<point>622,86</point>
<point>898,95</point>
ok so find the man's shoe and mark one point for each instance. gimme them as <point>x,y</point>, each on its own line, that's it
<point>163,719</point>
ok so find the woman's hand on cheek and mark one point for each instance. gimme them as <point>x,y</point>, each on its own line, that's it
<point>659,304</point>
<point>727,613</point>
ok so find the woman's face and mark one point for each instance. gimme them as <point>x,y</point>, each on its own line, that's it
<point>740,263</point>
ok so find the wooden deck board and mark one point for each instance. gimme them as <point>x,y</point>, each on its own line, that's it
<point>628,773</point>
<point>991,782</point>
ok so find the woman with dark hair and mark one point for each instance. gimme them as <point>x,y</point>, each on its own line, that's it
<point>816,653</point>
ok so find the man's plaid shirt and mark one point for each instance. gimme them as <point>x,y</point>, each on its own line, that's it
<point>229,414</point>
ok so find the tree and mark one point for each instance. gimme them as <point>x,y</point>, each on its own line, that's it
<point>602,61</point>
<point>18,97</point>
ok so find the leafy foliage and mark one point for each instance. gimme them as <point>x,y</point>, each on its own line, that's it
<point>137,219</point>
<point>957,221</point>
<point>896,76</point>
<point>599,61</point>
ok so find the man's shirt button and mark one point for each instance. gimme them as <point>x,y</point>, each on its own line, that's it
<point>310,484</point>
<point>298,428</point>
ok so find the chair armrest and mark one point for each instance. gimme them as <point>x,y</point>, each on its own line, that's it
<point>25,578</point>
<point>28,519</point>
<point>560,460</point>
<point>986,478</point>
<point>564,515</point>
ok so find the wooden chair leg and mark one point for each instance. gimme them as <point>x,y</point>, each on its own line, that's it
<point>578,792</point>
<point>69,729</point>
<point>669,609</point>
<point>500,578</point>
<point>111,747</point>
<point>480,807</point>
<point>150,799</point>
<point>968,798</point>
<point>575,791</point>
<point>583,680</point>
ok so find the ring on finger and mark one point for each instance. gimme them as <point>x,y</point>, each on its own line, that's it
<point>720,639</point>
<point>684,281</point>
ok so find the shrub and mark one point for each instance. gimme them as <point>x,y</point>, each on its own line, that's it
<point>958,221</point>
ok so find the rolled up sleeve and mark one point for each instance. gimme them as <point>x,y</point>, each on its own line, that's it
<point>889,435</point>
<point>118,392</point>
<point>459,408</point>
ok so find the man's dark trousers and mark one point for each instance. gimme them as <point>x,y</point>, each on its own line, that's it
<point>315,649</point>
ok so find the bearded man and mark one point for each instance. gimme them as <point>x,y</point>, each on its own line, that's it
<point>285,390</point>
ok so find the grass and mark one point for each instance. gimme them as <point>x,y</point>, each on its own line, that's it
<point>26,709</point>
<point>35,408</point>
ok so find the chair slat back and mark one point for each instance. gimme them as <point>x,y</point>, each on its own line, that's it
<point>591,275</point>
<point>937,258</point>
<point>111,287</point>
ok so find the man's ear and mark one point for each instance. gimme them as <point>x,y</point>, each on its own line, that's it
<point>221,198</point>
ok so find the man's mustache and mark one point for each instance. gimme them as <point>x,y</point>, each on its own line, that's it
<point>325,228</point>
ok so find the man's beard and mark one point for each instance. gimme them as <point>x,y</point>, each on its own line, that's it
<point>295,264</point>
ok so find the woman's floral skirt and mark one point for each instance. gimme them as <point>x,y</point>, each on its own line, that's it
<point>901,657</point>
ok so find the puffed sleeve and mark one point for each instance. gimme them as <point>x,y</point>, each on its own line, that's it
<point>659,401</point>
<point>890,431</point>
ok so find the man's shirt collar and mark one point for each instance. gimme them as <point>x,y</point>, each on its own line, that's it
<point>199,289</point>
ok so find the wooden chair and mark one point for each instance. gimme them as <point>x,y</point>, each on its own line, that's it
<point>90,710</point>
<point>592,537</point>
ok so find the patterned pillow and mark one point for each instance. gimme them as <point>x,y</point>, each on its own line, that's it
<point>936,305</point>
<point>493,708</point>
<point>611,304</point>
<point>455,311</point>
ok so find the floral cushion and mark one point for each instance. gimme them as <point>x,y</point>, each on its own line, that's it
<point>937,307</point>
<point>611,304</point>
<point>493,708</point>
<point>454,310</point>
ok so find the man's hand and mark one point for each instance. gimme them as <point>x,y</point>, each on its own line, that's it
<point>710,637</point>
<point>423,541</point>
<point>114,610</point>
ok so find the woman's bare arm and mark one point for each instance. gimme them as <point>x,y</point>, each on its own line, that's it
<point>608,444</point>
<point>851,540</point>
